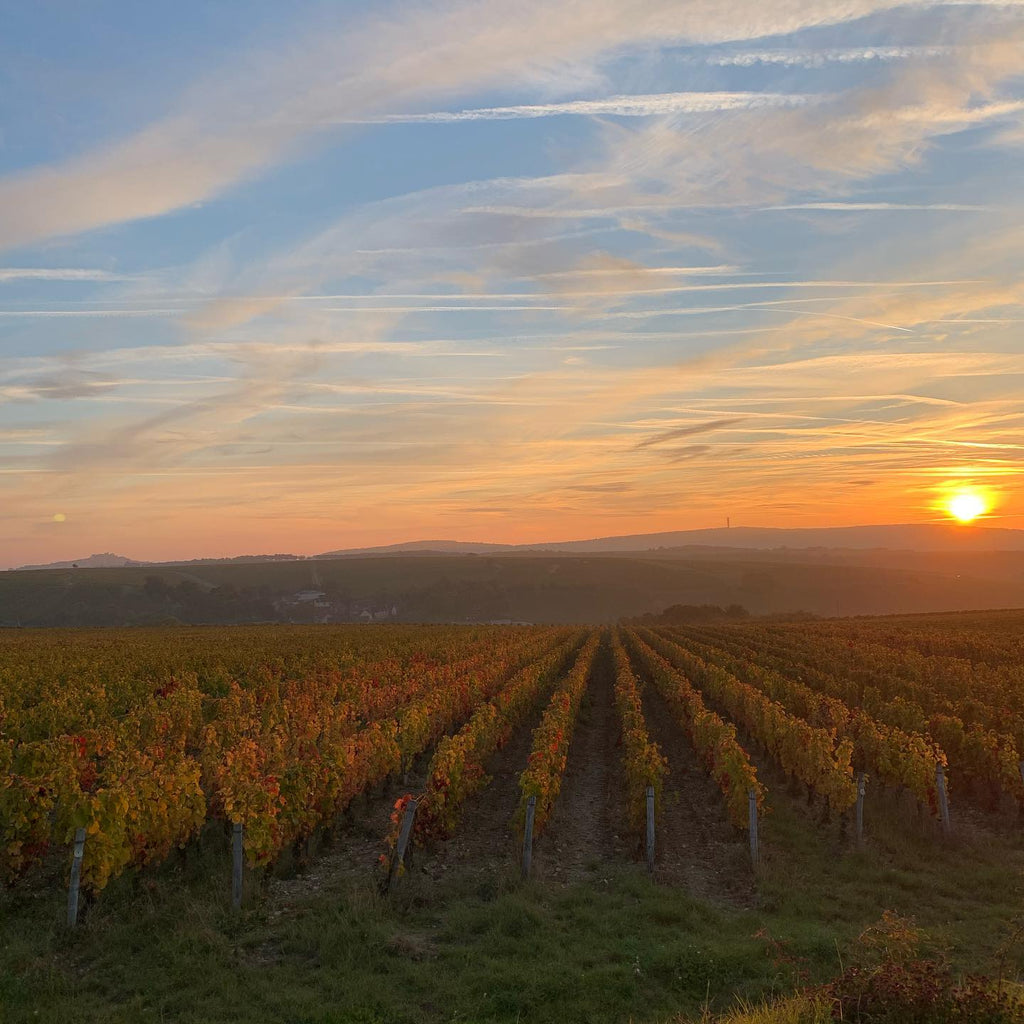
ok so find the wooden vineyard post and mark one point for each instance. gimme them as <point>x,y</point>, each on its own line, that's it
<point>76,877</point>
<point>860,809</point>
<point>940,785</point>
<point>236,867</point>
<point>752,805</point>
<point>531,810</point>
<point>650,829</point>
<point>404,835</point>
<point>1020,768</point>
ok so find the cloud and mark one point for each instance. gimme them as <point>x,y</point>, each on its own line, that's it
<point>689,451</point>
<point>613,106</point>
<point>855,207</point>
<point>619,487</point>
<point>677,433</point>
<point>269,107</point>
<point>820,58</point>
<point>877,128</point>
<point>294,398</point>
<point>58,274</point>
<point>612,267</point>
<point>645,177</point>
<point>52,314</point>
<point>550,446</point>
<point>60,384</point>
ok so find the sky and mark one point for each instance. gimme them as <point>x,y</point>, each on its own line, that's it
<point>320,275</point>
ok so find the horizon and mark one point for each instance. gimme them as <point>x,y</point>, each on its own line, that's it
<point>504,277</point>
<point>951,528</point>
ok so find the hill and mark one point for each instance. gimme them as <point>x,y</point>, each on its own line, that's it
<point>515,586</point>
<point>931,537</point>
<point>902,537</point>
<point>897,537</point>
<point>107,560</point>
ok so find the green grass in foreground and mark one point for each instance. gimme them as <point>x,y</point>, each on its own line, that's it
<point>164,946</point>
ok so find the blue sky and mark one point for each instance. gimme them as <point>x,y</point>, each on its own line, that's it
<point>352,274</point>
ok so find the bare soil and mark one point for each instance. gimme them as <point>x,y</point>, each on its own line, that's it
<point>696,845</point>
<point>587,836</point>
<point>485,842</point>
<point>587,830</point>
<point>350,852</point>
<point>484,845</point>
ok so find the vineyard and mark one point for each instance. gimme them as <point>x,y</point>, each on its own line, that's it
<point>404,756</point>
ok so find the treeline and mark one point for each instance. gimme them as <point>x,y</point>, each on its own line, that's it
<point>678,614</point>
<point>89,602</point>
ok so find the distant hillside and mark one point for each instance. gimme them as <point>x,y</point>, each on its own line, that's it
<point>903,537</point>
<point>934,537</point>
<point>515,586</point>
<point>441,547</point>
<point>109,561</point>
<point>102,561</point>
<point>947,537</point>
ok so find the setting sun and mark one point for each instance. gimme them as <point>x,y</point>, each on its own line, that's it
<point>966,506</point>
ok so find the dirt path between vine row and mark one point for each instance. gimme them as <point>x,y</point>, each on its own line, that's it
<point>587,829</point>
<point>485,843</point>
<point>349,854</point>
<point>696,846</point>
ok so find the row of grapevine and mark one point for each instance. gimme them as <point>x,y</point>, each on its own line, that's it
<point>61,682</point>
<point>986,754</point>
<point>134,784</point>
<point>279,755</point>
<point>642,758</point>
<point>993,648</point>
<point>713,739</point>
<point>811,755</point>
<point>552,737</point>
<point>877,674</point>
<point>893,756</point>
<point>456,770</point>
<point>281,768</point>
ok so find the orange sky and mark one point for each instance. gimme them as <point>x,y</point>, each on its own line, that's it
<point>512,275</point>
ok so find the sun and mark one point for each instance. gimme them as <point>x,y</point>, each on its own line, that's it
<point>965,506</point>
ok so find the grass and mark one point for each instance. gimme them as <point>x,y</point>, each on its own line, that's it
<point>164,945</point>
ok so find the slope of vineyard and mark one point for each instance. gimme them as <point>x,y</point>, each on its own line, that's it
<point>456,770</point>
<point>712,738</point>
<point>644,763</point>
<point>956,709</point>
<point>806,753</point>
<point>279,742</point>
<point>551,739</point>
<point>155,739</point>
<point>895,757</point>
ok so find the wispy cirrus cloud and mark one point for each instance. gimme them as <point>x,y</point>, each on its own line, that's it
<point>882,207</point>
<point>820,58</point>
<point>56,314</point>
<point>678,433</point>
<point>740,158</point>
<point>265,109</point>
<point>587,317</point>
<point>59,274</point>
<point>61,383</point>
<point>654,105</point>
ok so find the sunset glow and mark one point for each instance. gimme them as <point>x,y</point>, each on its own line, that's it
<point>512,275</point>
<point>966,506</point>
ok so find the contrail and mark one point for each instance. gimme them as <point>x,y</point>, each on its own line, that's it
<point>837,316</point>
